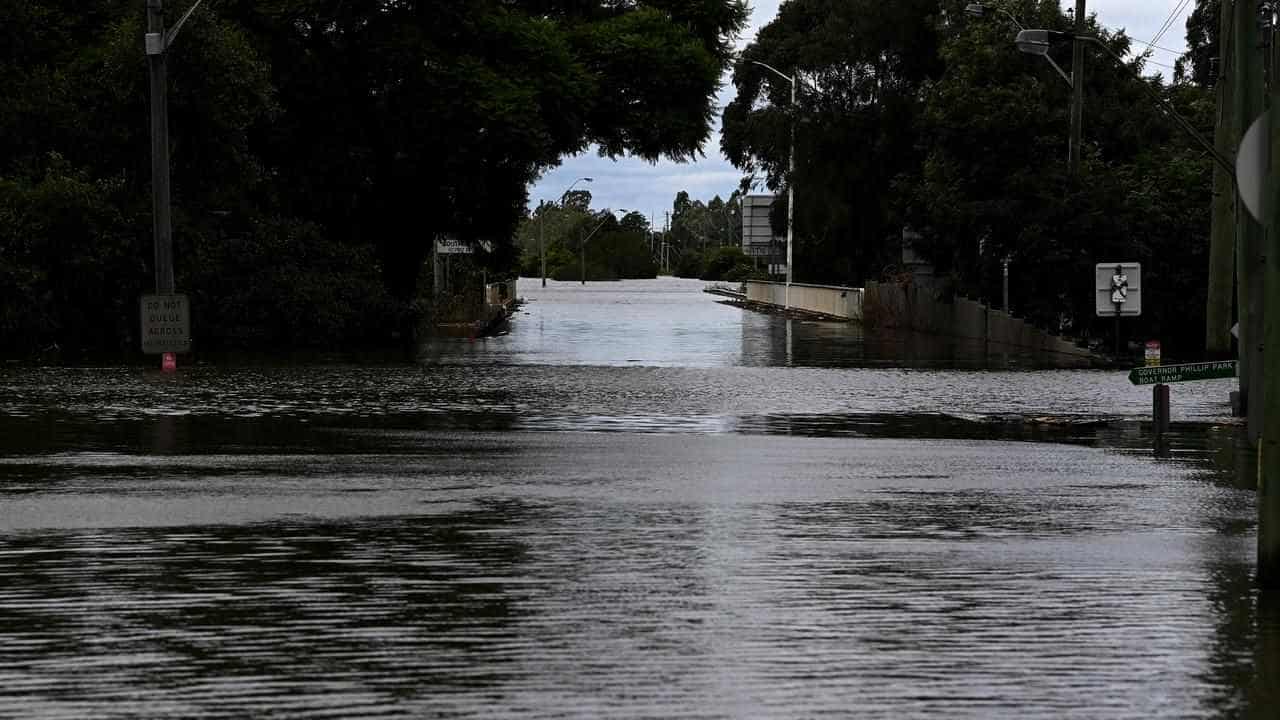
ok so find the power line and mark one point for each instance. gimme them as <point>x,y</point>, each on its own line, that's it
<point>1168,23</point>
<point>1153,46</point>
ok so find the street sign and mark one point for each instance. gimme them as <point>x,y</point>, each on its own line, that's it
<point>1118,285</point>
<point>452,246</point>
<point>1152,355</point>
<point>166,324</point>
<point>1182,373</point>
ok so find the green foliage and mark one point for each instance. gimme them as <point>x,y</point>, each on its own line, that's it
<point>316,145</point>
<point>615,250</point>
<point>296,287</point>
<point>918,115</point>
<point>435,117</point>
<point>1199,65</point>
<point>70,264</point>
<point>862,65</point>
<point>993,183</point>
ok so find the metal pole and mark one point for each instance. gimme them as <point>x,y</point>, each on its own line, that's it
<point>1160,416</point>
<point>1077,92</point>
<point>1006,284</point>
<point>542,251</point>
<point>161,227</point>
<point>1117,330</point>
<point>791,194</point>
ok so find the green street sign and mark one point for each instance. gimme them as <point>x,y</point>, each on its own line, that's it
<point>1162,374</point>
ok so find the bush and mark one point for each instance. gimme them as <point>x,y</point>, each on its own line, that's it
<point>294,286</point>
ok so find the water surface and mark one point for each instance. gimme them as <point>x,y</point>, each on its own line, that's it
<point>639,503</point>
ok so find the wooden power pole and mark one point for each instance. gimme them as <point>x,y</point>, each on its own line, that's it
<point>1247,95</point>
<point>1217,331</point>
<point>1077,99</point>
<point>1269,280</point>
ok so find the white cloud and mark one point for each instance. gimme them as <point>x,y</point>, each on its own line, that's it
<point>650,188</point>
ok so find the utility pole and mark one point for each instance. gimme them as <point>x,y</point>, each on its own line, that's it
<point>542,250</point>
<point>1247,94</point>
<point>1217,331</point>
<point>791,195</point>
<point>160,221</point>
<point>1269,447</point>
<point>1077,92</point>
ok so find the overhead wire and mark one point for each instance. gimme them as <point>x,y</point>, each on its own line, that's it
<point>1168,23</point>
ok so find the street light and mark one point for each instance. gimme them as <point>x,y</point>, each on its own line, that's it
<point>542,255</point>
<point>791,179</point>
<point>1034,42</point>
<point>980,10</point>
<point>582,247</point>
<point>156,43</point>
<point>1038,42</point>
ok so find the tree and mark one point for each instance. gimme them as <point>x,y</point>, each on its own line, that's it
<point>75,168</point>
<point>1200,64</point>
<point>346,135</point>
<point>862,65</point>
<point>917,115</point>
<point>992,185</point>
<point>435,117</point>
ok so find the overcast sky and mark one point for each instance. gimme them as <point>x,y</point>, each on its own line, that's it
<point>650,188</point>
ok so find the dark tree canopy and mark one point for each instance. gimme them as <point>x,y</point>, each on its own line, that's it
<point>367,127</point>
<point>1200,64</point>
<point>918,115</point>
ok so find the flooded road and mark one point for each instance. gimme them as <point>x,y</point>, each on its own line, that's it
<point>639,503</point>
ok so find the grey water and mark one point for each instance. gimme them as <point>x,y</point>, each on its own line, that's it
<point>639,502</point>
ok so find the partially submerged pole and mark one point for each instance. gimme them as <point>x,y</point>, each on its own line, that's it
<point>1217,332</point>
<point>1269,280</point>
<point>1248,104</point>
<point>1160,416</point>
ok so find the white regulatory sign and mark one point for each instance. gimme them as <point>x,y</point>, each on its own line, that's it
<point>446,245</point>
<point>166,324</point>
<point>1117,289</point>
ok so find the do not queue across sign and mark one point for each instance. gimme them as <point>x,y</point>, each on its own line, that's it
<point>1163,374</point>
<point>166,324</point>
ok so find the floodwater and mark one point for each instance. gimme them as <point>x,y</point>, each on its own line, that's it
<point>638,503</point>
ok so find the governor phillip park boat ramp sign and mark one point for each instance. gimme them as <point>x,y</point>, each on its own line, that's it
<point>1162,374</point>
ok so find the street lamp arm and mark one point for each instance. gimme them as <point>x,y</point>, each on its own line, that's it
<point>593,232</point>
<point>1222,161</point>
<point>172,35</point>
<point>1063,73</point>
<point>775,71</point>
<point>1009,15</point>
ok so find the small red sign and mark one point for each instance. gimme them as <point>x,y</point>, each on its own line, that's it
<point>169,362</point>
<point>1153,353</point>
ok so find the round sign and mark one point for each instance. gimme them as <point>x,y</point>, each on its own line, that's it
<point>1251,168</point>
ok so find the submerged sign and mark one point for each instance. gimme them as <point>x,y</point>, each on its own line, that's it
<point>1162,374</point>
<point>166,324</point>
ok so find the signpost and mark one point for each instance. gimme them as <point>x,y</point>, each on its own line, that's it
<point>166,324</point>
<point>1117,292</point>
<point>1182,373</point>
<point>1161,375</point>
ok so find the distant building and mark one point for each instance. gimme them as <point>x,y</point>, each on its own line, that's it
<point>758,240</point>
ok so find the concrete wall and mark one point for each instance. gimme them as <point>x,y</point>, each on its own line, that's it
<point>915,307</point>
<point>834,301</point>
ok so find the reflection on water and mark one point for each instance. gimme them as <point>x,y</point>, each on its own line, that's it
<point>640,503</point>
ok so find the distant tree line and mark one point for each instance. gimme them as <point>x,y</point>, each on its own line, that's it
<point>318,147</point>
<point>915,114</point>
<point>578,240</point>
